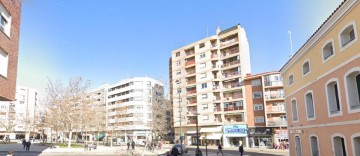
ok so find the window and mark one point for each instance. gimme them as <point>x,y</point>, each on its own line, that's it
<point>178,63</point>
<point>352,88</point>
<point>202,45</point>
<point>328,50</point>
<point>333,97</point>
<point>202,65</point>
<point>3,63</point>
<point>205,106</point>
<point>203,75</point>
<point>314,145</point>
<point>298,146</point>
<point>178,72</point>
<point>356,144</point>
<point>259,119</point>
<point>205,117</point>
<point>204,96</point>
<point>310,111</point>
<point>177,54</point>
<point>339,146</point>
<point>306,68</point>
<point>202,55</point>
<point>348,35</point>
<point>257,95</point>
<point>256,82</point>
<point>291,79</point>
<point>204,85</point>
<point>179,90</point>
<point>258,107</point>
<point>294,110</point>
<point>5,20</point>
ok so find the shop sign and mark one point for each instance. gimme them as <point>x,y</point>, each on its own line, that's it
<point>235,129</point>
<point>296,131</point>
<point>261,131</point>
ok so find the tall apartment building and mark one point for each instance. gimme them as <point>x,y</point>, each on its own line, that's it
<point>21,114</point>
<point>207,78</point>
<point>323,88</point>
<point>129,106</point>
<point>266,115</point>
<point>10,12</point>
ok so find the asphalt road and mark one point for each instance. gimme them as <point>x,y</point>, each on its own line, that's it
<point>212,152</point>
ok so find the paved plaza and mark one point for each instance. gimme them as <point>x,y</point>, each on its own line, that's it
<point>38,150</point>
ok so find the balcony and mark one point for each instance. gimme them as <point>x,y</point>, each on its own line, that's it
<point>192,101</point>
<point>217,109</point>
<point>277,123</point>
<point>232,85</point>
<point>216,67</point>
<point>235,108</point>
<point>191,122</point>
<point>190,82</point>
<point>216,87</point>
<point>188,63</point>
<point>233,96</point>
<point>234,120</point>
<point>276,109</point>
<point>190,92</point>
<point>214,56</point>
<point>231,74</point>
<point>228,42</point>
<point>189,53</point>
<point>231,63</point>
<point>191,112</point>
<point>213,46</point>
<point>275,97</point>
<point>273,83</point>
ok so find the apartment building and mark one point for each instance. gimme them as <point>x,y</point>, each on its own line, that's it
<point>19,116</point>
<point>266,115</point>
<point>10,12</point>
<point>322,88</point>
<point>130,106</point>
<point>207,86</point>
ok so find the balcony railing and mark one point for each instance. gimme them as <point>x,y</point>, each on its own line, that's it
<point>216,98</point>
<point>216,87</point>
<point>230,74</point>
<point>274,83</point>
<point>213,45</point>
<point>277,123</point>
<point>191,122</point>
<point>191,82</point>
<point>228,42</point>
<point>233,97</point>
<point>232,85</point>
<point>191,101</point>
<point>231,63</point>
<point>190,72</point>
<point>190,53</point>
<point>230,53</point>
<point>217,109</point>
<point>234,121</point>
<point>191,92</point>
<point>235,108</point>
<point>191,112</point>
<point>188,63</point>
<point>214,56</point>
<point>275,96</point>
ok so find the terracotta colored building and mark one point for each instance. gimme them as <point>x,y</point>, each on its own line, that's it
<point>322,88</point>
<point>10,12</point>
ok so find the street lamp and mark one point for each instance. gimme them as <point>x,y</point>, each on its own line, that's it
<point>197,152</point>
<point>178,90</point>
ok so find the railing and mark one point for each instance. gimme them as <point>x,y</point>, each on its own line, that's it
<point>190,53</point>
<point>191,92</point>
<point>191,82</point>
<point>190,72</point>
<point>191,112</point>
<point>216,87</point>
<point>230,53</point>
<point>276,110</point>
<point>277,123</point>
<point>190,63</point>
<point>216,98</point>
<point>216,77</point>
<point>191,101</point>
<point>233,97</point>
<point>233,85</point>
<point>274,83</point>
<point>230,74</point>
<point>217,109</point>
<point>235,108</point>
<point>276,96</point>
<point>213,45</point>
<point>214,56</point>
<point>216,66</point>
<point>234,121</point>
<point>228,42</point>
<point>231,63</point>
<point>192,122</point>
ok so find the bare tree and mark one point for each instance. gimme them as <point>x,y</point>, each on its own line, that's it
<point>68,102</point>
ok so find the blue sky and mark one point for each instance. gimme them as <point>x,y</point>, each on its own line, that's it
<point>109,40</point>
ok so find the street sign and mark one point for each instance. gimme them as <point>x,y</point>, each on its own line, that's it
<point>296,131</point>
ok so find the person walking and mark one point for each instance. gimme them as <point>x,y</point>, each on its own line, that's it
<point>220,150</point>
<point>133,144</point>
<point>174,151</point>
<point>241,150</point>
<point>28,144</point>
<point>24,143</point>
<point>128,144</point>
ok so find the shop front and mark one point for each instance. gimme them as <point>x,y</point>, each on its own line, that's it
<point>191,137</point>
<point>260,137</point>
<point>235,135</point>
<point>281,136</point>
<point>211,135</point>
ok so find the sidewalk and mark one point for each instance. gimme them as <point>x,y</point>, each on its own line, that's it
<point>245,149</point>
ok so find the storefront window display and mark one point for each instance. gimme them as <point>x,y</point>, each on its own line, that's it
<point>235,135</point>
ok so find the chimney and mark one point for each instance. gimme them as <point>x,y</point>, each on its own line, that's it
<point>218,30</point>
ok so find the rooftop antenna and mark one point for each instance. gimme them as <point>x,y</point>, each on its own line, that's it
<point>207,30</point>
<point>291,47</point>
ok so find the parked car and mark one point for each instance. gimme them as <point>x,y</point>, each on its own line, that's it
<point>178,146</point>
<point>140,142</point>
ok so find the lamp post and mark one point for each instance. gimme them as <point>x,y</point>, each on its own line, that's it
<point>178,90</point>
<point>197,152</point>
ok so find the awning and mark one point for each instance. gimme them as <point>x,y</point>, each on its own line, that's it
<point>214,136</point>
<point>211,129</point>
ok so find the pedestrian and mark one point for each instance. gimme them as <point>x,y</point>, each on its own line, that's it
<point>86,147</point>
<point>28,144</point>
<point>10,153</point>
<point>128,144</point>
<point>24,143</point>
<point>133,144</point>
<point>160,145</point>
<point>174,151</point>
<point>220,150</point>
<point>241,150</point>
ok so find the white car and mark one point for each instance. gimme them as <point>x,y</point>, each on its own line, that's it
<point>140,142</point>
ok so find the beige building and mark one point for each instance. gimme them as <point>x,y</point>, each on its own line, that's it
<point>322,88</point>
<point>266,115</point>
<point>207,84</point>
